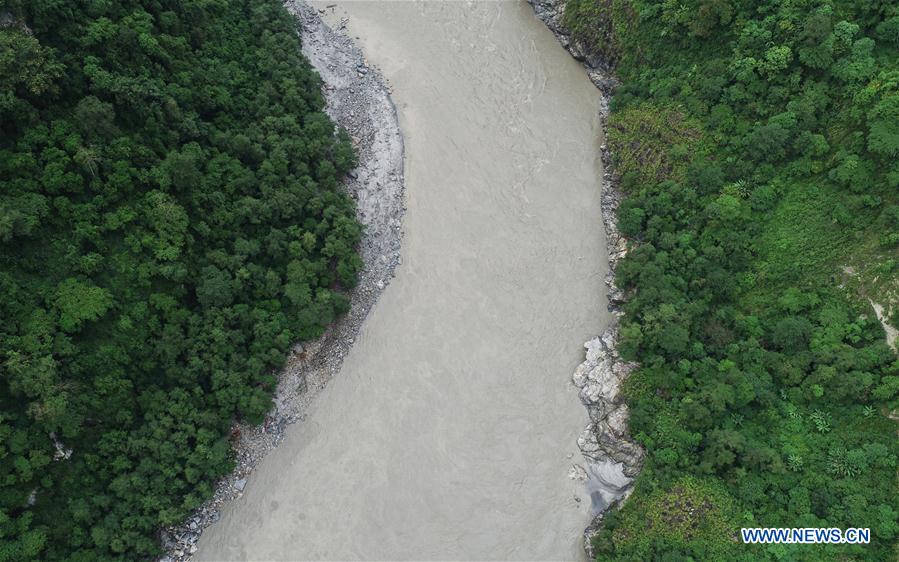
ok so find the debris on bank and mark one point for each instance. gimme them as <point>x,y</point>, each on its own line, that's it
<point>613,458</point>
<point>358,100</point>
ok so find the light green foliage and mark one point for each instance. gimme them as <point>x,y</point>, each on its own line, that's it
<point>757,145</point>
<point>693,511</point>
<point>883,135</point>
<point>77,301</point>
<point>651,143</point>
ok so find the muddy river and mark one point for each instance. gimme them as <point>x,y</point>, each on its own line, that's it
<point>451,429</point>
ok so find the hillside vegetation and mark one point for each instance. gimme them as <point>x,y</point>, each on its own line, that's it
<point>757,144</point>
<point>171,221</point>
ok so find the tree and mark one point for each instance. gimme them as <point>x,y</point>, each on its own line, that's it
<point>78,302</point>
<point>883,132</point>
<point>172,220</point>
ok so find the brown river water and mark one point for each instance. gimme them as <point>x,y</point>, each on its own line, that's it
<point>450,430</point>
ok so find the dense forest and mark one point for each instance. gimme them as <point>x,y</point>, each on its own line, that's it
<point>171,220</point>
<point>757,145</point>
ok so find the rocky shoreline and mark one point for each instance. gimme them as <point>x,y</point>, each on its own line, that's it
<point>358,99</point>
<point>614,459</point>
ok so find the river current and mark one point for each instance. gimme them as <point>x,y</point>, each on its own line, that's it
<point>451,429</point>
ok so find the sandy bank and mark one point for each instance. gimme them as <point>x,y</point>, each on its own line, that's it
<point>357,99</point>
<point>451,431</point>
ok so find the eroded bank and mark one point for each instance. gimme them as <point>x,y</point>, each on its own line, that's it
<point>451,430</point>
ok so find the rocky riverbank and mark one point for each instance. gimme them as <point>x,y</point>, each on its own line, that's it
<point>614,459</point>
<point>358,99</point>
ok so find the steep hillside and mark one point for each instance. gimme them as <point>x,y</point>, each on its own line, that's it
<point>171,221</point>
<point>757,144</point>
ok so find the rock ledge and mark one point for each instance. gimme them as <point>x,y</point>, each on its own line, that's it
<point>613,458</point>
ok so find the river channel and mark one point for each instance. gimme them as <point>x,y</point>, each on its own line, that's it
<point>451,429</point>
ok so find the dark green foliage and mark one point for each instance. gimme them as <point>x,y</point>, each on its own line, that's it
<point>757,144</point>
<point>171,221</point>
